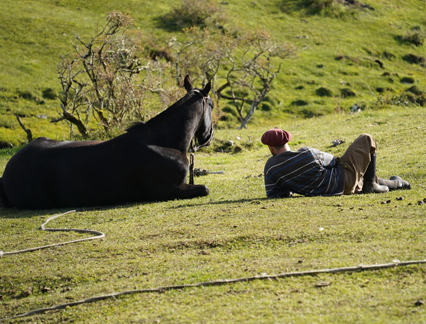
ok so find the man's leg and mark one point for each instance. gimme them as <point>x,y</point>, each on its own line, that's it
<point>356,161</point>
<point>370,184</point>
<point>395,183</point>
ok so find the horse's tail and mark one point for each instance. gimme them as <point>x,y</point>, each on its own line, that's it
<point>4,202</point>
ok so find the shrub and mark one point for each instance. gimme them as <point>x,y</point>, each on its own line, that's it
<point>300,102</point>
<point>346,92</point>
<point>27,95</point>
<point>408,80</point>
<point>309,113</point>
<point>333,7</point>
<point>406,99</point>
<point>383,90</point>
<point>193,13</point>
<point>416,96</point>
<point>318,6</point>
<point>388,55</point>
<point>409,98</point>
<point>415,90</point>
<point>414,37</point>
<point>265,106</point>
<point>324,92</point>
<point>49,93</point>
<point>414,59</point>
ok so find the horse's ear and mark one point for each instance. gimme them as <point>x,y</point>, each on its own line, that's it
<point>207,89</point>
<point>187,83</point>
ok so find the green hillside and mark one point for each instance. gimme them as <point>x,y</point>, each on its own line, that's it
<point>367,54</point>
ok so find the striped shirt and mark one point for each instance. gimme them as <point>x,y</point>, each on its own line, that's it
<point>307,171</point>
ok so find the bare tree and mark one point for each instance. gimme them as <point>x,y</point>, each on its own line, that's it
<point>100,79</point>
<point>248,64</point>
<point>104,84</point>
<point>72,96</point>
<point>252,72</point>
<point>186,54</point>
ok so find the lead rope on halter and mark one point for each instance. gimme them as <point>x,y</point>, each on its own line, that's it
<point>191,168</point>
<point>42,227</point>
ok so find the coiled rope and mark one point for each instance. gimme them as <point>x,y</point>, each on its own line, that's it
<point>42,227</point>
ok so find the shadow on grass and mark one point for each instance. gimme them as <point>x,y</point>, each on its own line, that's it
<point>22,213</point>
<point>254,200</point>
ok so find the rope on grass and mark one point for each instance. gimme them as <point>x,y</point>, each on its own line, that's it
<point>220,282</point>
<point>42,227</point>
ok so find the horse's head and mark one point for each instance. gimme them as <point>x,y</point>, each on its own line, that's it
<point>204,130</point>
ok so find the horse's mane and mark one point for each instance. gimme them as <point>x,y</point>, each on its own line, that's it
<point>140,125</point>
<point>135,126</point>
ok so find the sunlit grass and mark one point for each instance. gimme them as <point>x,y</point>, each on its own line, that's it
<point>236,232</point>
<point>334,53</point>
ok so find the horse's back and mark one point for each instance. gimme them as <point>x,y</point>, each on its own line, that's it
<point>47,173</point>
<point>34,176</point>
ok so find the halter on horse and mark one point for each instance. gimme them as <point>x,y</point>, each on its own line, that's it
<point>148,162</point>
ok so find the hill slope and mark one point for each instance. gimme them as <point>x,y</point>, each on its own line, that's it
<point>347,55</point>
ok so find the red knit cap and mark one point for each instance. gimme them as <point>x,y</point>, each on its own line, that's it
<point>276,137</point>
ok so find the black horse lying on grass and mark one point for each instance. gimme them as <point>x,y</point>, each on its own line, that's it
<point>148,162</point>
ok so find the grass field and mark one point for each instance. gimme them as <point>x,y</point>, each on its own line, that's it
<point>236,232</point>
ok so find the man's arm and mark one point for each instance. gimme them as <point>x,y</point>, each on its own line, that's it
<point>276,190</point>
<point>280,193</point>
<point>326,159</point>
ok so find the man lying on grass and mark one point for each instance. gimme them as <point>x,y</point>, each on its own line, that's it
<point>311,172</point>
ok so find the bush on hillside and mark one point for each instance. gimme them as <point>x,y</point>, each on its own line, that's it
<point>324,92</point>
<point>49,94</point>
<point>411,97</point>
<point>306,113</point>
<point>414,37</point>
<point>414,59</point>
<point>318,6</point>
<point>299,102</point>
<point>193,13</point>
<point>388,55</point>
<point>347,92</point>
<point>407,80</point>
<point>333,7</point>
<point>415,90</point>
<point>416,96</point>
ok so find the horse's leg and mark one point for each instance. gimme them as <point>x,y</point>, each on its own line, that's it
<point>4,202</point>
<point>188,191</point>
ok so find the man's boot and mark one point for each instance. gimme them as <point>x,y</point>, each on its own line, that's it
<point>395,183</point>
<point>370,184</point>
